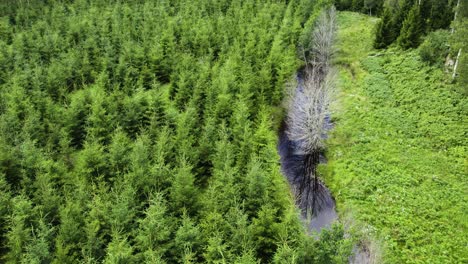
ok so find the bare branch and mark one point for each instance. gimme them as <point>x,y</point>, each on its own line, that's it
<point>309,104</point>
<point>308,107</point>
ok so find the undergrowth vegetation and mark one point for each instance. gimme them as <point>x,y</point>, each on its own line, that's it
<point>398,151</point>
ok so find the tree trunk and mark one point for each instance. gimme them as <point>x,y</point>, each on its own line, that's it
<point>456,64</point>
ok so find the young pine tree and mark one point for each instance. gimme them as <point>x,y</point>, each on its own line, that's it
<point>19,233</point>
<point>265,232</point>
<point>154,230</point>
<point>183,193</point>
<point>5,204</point>
<point>38,250</point>
<point>71,236</point>
<point>410,34</point>
<point>385,31</point>
<point>119,250</point>
<point>187,241</point>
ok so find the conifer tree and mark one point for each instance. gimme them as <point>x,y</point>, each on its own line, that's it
<point>98,122</point>
<point>241,239</point>
<point>46,193</point>
<point>5,204</point>
<point>397,10</point>
<point>162,151</point>
<point>264,229</point>
<point>186,134</point>
<point>119,149</point>
<point>224,175</point>
<point>256,187</point>
<point>357,5</point>
<point>70,235</point>
<point>140,166</point>
<point>412,30</point>
<point>155,229</point>
<point>187,242</point>
<point>97,227</point>
<point>38,250</point>
<point>216,250</point>
<point>285,254</point>
<point>19,232</point>
<point>246,258</point>
<point>385,33</point>
<point>119,250</point>
<point>183,192</point>
<point>75,119</point>
<point>440,14</point>
<point>109,110</point>
<point>91,162</point>
<point>124,206</point>
<point>134,116</point>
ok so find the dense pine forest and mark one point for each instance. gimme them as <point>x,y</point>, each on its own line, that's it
<point>147,131</point>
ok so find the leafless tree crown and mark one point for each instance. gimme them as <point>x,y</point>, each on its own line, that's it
<point>308,104</point>
<point>308,110</point>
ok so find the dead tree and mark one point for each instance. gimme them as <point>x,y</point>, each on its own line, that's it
<point>307,109</point>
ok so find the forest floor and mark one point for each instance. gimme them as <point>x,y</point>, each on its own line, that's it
<point>397,155</point>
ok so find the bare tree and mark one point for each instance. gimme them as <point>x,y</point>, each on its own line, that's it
<point>308,107</point>
<point>323,38</point>
<point>309,103</point>
<point>454,74</point>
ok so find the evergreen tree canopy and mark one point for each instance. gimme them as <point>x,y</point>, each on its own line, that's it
<point>412,29</point>
<point>144,131</point>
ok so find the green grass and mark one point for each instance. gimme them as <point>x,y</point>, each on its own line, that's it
<point>398,151</point>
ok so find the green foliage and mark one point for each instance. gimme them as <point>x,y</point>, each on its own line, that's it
<point>353,26</point>
<point>397,154</point>
<point>19,231</point>
<point>439,13</point>
<point>263,229</point>
<point>385,31</point>
<point>187,241</point>
<point>412,29</point>
<point>357,5</point>
<point>183,192</point>
<point>39,248</point>
<point>403,20</point>
<point>5,200</point>
<point>145,131</point>
<point>434,49</point>
<point>462,73</point>
<point>119,251</point>
<point>370,7</point>
<point>71,235</point>
<point>343,4</point>
<point>459,42</point>
<point>330,248</point>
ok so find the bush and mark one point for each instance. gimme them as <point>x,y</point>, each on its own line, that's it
<point>434,49</point>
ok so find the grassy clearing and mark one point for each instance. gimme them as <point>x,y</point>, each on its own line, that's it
<point>398,151</point>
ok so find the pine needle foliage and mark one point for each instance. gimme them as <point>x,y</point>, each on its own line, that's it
<point>144,131</point>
